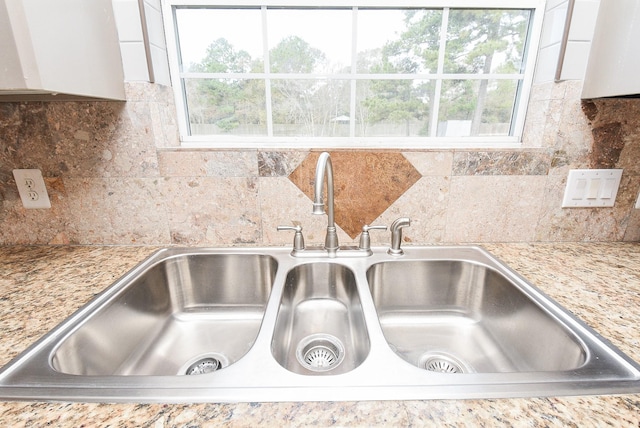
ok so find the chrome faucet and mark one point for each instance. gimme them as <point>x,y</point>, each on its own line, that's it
<point>396,235</point>
<point>324,168</point>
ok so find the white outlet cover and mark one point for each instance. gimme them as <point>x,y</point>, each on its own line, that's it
<point>591,188</point>
<point>32,189</point>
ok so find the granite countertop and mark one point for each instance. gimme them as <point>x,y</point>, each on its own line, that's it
<point>599,282</point>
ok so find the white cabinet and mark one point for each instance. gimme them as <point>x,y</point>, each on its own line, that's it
<point>59,50</point>
<point>614,60</point>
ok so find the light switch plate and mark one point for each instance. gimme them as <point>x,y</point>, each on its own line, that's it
<point>591,188</point>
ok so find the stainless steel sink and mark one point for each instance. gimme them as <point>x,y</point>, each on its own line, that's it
<point>457,316</point>
<point>320,328</point>
<point>186,314</point>
<point>256,324</point>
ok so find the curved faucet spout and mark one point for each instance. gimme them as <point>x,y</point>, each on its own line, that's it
<point>324,168</point>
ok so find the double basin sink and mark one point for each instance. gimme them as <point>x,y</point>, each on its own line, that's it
<point>224,325</point>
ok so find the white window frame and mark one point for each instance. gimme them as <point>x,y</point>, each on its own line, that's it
<point>276,142</point>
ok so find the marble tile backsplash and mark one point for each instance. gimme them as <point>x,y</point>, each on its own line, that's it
<point>116,175</point>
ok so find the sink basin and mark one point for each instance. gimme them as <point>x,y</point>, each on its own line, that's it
<point>320,328</point>
<point>457,316</point>
<point>257,324</point>
<point>187,314</point>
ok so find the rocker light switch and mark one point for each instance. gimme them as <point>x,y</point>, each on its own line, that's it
<point>591,188</point>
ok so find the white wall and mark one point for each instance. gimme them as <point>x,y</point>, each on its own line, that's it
<point>614,60</point>
<point>142,43</point>
<point>564,54</point>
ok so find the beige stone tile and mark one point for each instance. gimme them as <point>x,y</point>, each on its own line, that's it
<point>105,139</point>
<point>164,125</point>
<point>552,123</point>
<point>101,140</point>
<point>148,92</point>
<point>541,91</point>
<point>182,164</point>
<point>132,151</point>
<point>432,163</point>
<point>533,133</point>
<point>115,211</point>
<point>559,90</point>
<point>282,203</point>
<point>212,210</point>
<point>573,89</point>
<point>632,232</point>
<point>101,163</point>
<point>163,115</point>
<point>574,133</point>
<point>579,224</point>
<point>493,208</point>
<point>34,226</point>
<point>425,203</point>
<point>208,163</point>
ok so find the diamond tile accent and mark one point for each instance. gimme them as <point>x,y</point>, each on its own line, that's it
<point>366,184</point>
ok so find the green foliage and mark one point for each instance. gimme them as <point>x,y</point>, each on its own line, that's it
<point>478,41</point>
<point>294,55</point>
<point>221,57</point>
<point>226,103</point>
<point>295,101</point>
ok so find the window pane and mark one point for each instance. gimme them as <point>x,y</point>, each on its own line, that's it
<point>398,41</point>
<point>393,108</point>
<point>476,107</point>
<point>486,40</point>
<point>219,40</point>
<point>310,108</point>
<point>371,70</point>
<point>309,41</point>
<point>226,106</point>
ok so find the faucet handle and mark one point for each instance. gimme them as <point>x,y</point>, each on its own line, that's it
<point>365,239</point>
<point>367,228</point>
<point>298,239</point>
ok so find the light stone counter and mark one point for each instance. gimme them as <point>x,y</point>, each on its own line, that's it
<point>41,286</point>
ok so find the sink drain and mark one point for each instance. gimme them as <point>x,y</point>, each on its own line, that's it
<point>320,352</point>
<point>442,363</point>
<point>204,364</point>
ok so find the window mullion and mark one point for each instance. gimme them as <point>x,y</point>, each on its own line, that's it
<point>267,72</point>
<point>433,125</point>
<point>353,82</point>
<point>355,76</point>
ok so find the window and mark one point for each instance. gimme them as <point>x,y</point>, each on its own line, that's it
<point>301,73</point>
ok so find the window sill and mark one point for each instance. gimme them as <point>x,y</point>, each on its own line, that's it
<point>351,143</point>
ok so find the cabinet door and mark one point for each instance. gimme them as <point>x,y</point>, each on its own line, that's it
<point>614,60</point>
<point>67,47</point>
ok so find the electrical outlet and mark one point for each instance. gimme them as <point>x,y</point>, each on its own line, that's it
<point>31,187</point>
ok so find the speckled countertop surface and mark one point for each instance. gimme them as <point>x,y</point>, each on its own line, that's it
<point>600,283</point>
